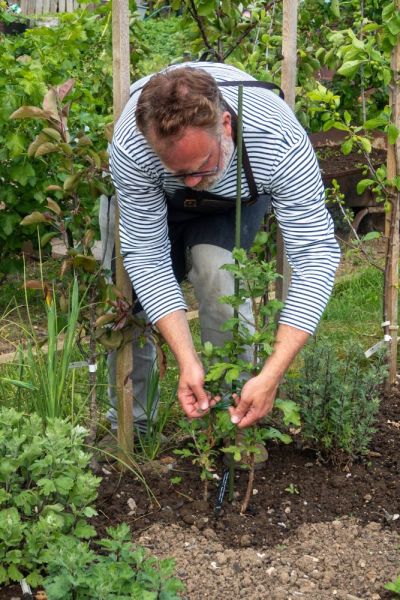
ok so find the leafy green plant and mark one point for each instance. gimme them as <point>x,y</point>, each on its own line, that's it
<point>80,47</point>
<point>227,369</point>
<point>339,399</point>
<point>120,571</point>
<point>46,490</point>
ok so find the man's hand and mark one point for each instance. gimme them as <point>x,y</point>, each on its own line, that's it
<point>255,401</point>
<point>191,393</point>
<point>258,394</point>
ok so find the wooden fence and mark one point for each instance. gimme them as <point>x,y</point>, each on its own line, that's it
<point>39,7</point>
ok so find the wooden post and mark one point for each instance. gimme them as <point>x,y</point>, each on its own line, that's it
<point>392,254</point>
<point>288,85</point>
<point>121,83</point>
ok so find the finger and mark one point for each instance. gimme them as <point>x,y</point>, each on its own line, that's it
<point>249,419</point>
<point>242,408</point>
<point>201,397</point>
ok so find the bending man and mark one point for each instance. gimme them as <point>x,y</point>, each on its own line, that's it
<point>173,162</point>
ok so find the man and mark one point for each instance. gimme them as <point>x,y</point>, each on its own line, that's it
<point>173,161</point>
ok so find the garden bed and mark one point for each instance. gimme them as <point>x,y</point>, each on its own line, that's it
<point>295,490</point>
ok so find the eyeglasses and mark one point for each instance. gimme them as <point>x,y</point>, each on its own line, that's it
<point>207,173</point>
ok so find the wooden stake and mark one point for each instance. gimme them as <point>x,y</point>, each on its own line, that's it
<point>288,85</point>
<point>121,83</point>
<point>392,255</point>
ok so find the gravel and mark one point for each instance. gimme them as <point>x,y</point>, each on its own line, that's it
<point>341,560</point>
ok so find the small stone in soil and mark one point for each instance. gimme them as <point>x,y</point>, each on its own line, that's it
<point>245,541</point>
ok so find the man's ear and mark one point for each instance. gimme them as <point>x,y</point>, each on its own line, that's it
<point>227,123</point>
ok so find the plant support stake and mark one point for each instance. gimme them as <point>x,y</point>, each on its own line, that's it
<point>238,223</point>
<point>121,54</point>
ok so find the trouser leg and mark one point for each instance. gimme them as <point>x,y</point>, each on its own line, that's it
<point>145,392</point>
<point>210,282</point>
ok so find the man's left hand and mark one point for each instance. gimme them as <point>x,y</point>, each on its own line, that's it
<point>255,401</point>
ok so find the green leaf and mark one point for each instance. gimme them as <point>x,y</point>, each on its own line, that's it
<point>22,384</point>
<point>392,133</point>
<point>45,239</point>
<point>64,484</point>
<point>393,24</point>
<point>386,75</point>
<point>349,68</point>
<point>84,530</point>
<point>363,184</point>
<point>47,486</point>
<point>290,410</point>
<point>14,573</point>
<point>89,512</point>
<point>22,173</point>
<point>371,235</point>
<point>347,146</point>
<point>340,126</point>
<point>16,144</point>
<point>366,145</point>
<point>393,586</point>
<point>375,122</point>
<point>335,8</point>
<point>3,575</point>
<point>208,349</point>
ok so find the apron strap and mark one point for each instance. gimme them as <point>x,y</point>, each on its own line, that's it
<point>266,85</point>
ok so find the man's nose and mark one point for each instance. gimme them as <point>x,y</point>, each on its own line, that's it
<point>191,180</point>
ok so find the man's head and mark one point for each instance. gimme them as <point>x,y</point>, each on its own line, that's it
<point>181,114</point>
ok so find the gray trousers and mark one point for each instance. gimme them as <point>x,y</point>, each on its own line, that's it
<point>210,282</point>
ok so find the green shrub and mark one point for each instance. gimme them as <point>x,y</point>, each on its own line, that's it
<point>46,490</point>
<point>339,399</point>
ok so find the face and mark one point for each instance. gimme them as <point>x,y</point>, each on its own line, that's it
<point>199,157</point>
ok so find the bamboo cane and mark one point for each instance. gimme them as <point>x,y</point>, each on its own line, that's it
<point>121,82</point>
<point>238,224</point>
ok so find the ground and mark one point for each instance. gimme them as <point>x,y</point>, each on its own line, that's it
<point>314,531</point>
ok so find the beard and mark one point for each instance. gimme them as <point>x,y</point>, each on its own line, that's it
<point>227,150</point>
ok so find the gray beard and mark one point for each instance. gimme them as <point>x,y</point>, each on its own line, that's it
<point>227,149</point>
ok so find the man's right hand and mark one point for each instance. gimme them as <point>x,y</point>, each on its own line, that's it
<point>195,401</point>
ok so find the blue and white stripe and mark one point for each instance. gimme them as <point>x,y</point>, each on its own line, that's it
<point>284,165</point>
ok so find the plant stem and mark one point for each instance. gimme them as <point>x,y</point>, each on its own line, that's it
<point>250,483</point>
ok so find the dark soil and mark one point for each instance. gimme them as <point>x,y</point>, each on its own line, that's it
<point>294,487</point>
<point>334,163</point>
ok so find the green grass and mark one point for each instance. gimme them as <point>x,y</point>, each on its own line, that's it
<point>355,308</point>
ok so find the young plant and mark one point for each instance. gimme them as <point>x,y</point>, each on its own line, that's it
<point>226,370</point>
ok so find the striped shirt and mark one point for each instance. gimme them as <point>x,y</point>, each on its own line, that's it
<point>284,165</point>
